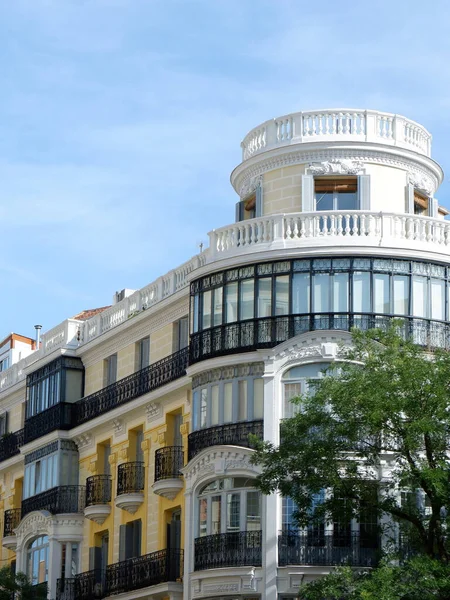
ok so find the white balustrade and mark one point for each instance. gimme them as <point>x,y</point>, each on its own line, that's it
<point>337,125</point>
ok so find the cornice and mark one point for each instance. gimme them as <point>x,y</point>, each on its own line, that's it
<point>412,162</point>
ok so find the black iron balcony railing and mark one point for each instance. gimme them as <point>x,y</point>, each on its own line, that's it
<point>231,434</point>
<point>130,478</point>
<point>10,444</point>
<point>146,380</point>
<point>132,574</point>
<point>12,519</point>
<point>253,334</point>
<point>56,417</point>
<point>98,489</point>
<point>233,549</point>
<point>57,500</point>
<point>168,462</point>
<point>327,549</point>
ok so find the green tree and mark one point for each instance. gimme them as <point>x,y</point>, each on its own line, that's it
<point>16,586</point>
<point>386,408</point>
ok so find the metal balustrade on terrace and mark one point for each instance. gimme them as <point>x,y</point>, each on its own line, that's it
<point>232,549</point>
<point>58,500</point>
<point>230,434</point>
<point>131,574</point>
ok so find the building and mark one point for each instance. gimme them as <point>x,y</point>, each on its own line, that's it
<point>125,469</point>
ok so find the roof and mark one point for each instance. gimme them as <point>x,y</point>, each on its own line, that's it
<point>88,313</point>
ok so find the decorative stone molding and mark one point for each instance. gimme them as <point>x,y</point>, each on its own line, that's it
<point>61,527</point>
<point>118,426</point>
<point>421,165</point>
<point>130,502</point>
<point>255,369</point>
<point>84,441</point>
<point>327,346</point>
<point>112,459</point>
<point>153,410</point>
<point>145,445</point>
<point>421,182</point>
<point>184,428</point>
<point>249,187</point>
<point>98,513</point>
<point>123,453</point>
<point>338,167</point>
<point>92,467</point>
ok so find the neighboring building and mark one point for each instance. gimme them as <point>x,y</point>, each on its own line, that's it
<point>126,469</point>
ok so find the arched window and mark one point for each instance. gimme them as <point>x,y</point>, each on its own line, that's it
<point>37,559</point>
<point>229,505</point>
<point>295,383</point>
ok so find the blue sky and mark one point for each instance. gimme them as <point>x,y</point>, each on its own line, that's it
<point>120,122</point>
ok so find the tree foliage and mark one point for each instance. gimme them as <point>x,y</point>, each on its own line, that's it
<point>17,586</point>
<point>375,433</point>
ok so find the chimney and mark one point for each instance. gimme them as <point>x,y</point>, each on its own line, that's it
<point>38,335</point>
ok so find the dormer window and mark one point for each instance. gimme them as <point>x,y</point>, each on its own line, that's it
<point>336,193</point>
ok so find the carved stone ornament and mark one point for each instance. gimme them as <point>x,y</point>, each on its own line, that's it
<point>153,411</point>
<point>117,426</point>
<point>420,182</point>
<point>338,167</point>
<point>249,186</point>
<point>83,440</point>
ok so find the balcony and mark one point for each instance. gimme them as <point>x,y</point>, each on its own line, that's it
<point>57,500</point>
<point>56,417</point>
<point>168,477</point>
<point>342,230</point>
<point>337,125</point>
<point>10,444</point>
<point>231,434</point>
<point>253,334</point>
<point>98,498</point>
<point>11,521</point>
<point>132,574</point>
<point>327,550</point>
<point>130,486</point>
<point>235,549</point>
<point>144,381</point>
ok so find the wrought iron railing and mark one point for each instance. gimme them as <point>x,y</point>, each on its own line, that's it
<point>10,444</point>
<point>168,462</point>
<point>11,521</point>
<point>130,478</point>
<point>233,549</point>
<point>57,500</point>
<point>98,489</point>
<point>231,434</point>
<point>131,574</point>
<point>254,334</point>
<point>56,417</point>
<point>146,380</point>
<point>327,549</point>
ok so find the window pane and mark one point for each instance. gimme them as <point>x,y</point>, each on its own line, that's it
<point>340,292</point>
<point>282,295</point>
<point>300,293</point>
<point>203,407</point>
<point>381,294</point>
<point>246,299</point>
<point>324,201</point>
<point>291,390</point>
<point>218,298</point>
<point>258,398</point>
<point>227,402</point>
<point>216,507</point>
<point>401,294</point>
<point>265,297</point>
<point>195,312</point>
<point>233,512</point>
<point>203,517</point>
<point>347,201</point>
<point>214,405</point>
<point>195,410</point>
<point>437,299</point>
<point>242,401</point>
<point>206,322</point>
<point>419,296</point>
<point>321,289</point>
<point>361,292</point>
<point>231,302</point>
<point>253,522</point>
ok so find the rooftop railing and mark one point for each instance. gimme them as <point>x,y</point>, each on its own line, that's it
<point>337,125</point>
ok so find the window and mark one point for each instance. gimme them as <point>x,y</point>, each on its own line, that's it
<point>227,402</point>
<point>41,475</point>
<point>130,540</point>
<point>229,505</point>
<point>142,353</point>
<point>37,560</point>
<point>338,193</point>
<point>296,383</point>
<point>111,369</point>
<point>3,423</point>
<point>181,334</point>
<point>421,204</point>
<point>50,466</point>
<point>4,364</point>
<point>251,206</point>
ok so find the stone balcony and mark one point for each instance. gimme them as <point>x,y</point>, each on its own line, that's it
<point>331,232</point>
<point>337,125</point>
